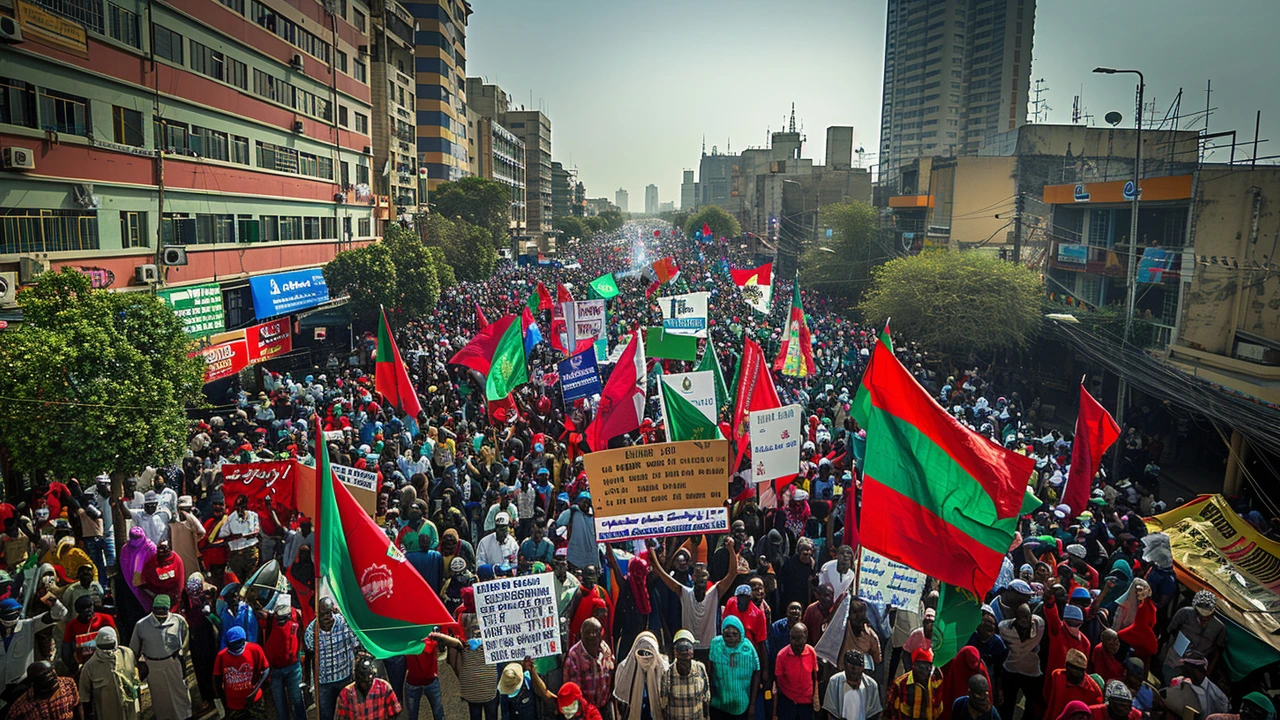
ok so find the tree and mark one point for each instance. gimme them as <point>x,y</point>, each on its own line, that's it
<point>479,201</point>
<point>417,282</point>
<point>366,275</point>
<point>842,265</point>
<point>444,271</point>
<point>95,381</point>
<point>959,301</point>
<point>468,248</point>
<point>613,220</point>
<point>680,219</point>
<point>722,224</point>
<point>572,227</point>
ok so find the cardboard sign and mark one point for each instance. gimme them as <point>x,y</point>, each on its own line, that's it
<point>887,583</point>
<point>224,359</point>
<point>268,340</point>
<point>685,314</point>
<point>579,376</point>
<point>518,618</point>
<point>656,490</point>
<point>258,480</point>
<point>356,478</point>
<point>775,443</point>
<point>584,319</point>
<point>699,388</point>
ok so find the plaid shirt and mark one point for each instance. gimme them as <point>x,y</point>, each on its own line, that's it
<point>907,701</point>
<point>59,707</point>
<point>685,696</point>
<point>379,704</point>
<point>337,649</point>
<point>593,674</point>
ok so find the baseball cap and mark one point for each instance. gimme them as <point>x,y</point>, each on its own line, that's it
<point>502,520</point>
<point>930,614</point>
<point>742,590</point>
<point>185,501</point>
<point>683,636</point>
<point>161,602</point>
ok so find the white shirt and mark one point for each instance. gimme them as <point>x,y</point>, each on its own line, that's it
<point>169,500</point>
<point>234,525</point>
<point>847,703</point>
<point>155,525</point>
<point>490,552</point>
<point>700,617</point>
<point>1024,655</point>
<point>831,575</point>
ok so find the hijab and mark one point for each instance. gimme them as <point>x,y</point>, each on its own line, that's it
<point>637,676</point>
<point>723,655</point>
<point>637,578</point>
<point>1123,575</point>
<point>1128,610</point>
<point>133,556</point>
<point>775,548</point>
<point>956,674</point>
<point>1074,707</point>
<point>33,589</point>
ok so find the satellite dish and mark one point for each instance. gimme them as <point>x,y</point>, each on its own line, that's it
<point>1113,118</point>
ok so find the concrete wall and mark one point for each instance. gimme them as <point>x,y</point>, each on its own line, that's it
<point>984,189</point>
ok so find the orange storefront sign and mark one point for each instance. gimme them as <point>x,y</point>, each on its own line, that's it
<point>1172,187</point>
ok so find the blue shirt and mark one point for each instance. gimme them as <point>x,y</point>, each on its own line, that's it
<point>242,618</point>
<point>582,542</point>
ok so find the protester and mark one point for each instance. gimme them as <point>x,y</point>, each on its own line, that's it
<point>109,684</point>
<point>368,698</point>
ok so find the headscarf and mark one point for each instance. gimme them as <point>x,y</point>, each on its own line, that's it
<point>636,675</point>
<point>133,556</point>
<point>1123,574</point>
<point>1073,707</point>
<point>637,577</point>
<point>720,652</point>
<point>775,548</point>
<point>1128,610</point>
<point>956,674</point>
<point>568,694</point>
<point>32,586</point>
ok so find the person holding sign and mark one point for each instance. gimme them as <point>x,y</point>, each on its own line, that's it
<point>698,604</point>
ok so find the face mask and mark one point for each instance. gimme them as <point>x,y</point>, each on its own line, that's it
<point>571,710</point>
<point>1204,611</point>
<point>106,647</point>
<point>8,623</point>
<point>42,514</point>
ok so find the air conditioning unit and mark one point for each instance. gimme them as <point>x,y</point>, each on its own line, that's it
<point>10,31</point>
<point>296,63</point>
<point>298,127</point>
<point>19,158</point>
<point>147,274</point>
<point>368,149</point>
<point>8,289</point>
<point>29,269</point>
<point>85,197</point>
<point>173,256</point>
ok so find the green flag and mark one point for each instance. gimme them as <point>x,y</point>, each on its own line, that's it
<point>959,613</point>
<point>862,399</point>
<point>665,345</point>
<point>604,286</point>
<point>508,370</point>
<point>711,361</point>
<point>683,420</point>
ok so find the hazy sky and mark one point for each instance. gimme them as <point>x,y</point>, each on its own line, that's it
<point>632,87</point>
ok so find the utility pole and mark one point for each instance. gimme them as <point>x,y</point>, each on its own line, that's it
<point>1018,205</point>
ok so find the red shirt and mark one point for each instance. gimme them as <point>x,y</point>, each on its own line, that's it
<point>1059,692</point>
<point>82,634</point>
<point>1062,638</point>
<point>57,496</point>
<point>795,673</point>
<point>425,666</point>
<point>281,644</point>
<point>212,554</point>
<point>752,618</point>
<point>1100,713</point>
<point>240,674</point>
<point>165,577</point>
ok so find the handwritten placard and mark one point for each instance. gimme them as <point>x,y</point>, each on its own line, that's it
<point>775,443</point>
<point>518,618</point>
<point>887,583</point>
<point>646,491</point>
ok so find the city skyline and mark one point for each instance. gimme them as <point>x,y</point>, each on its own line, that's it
<point>659,145</point>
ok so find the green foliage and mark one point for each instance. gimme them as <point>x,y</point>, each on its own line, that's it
<point>613,220</point>
<point>840,266</point>
<point>366,275</point>
<point>468,248</point>
<point>417,282</point>
<point>680,219</point>
<point>722,224</point>
<point>444,271</point>
<point>482,202</point>
<point>95,381</point>
<point>958,301</point>
<point>572,227</point>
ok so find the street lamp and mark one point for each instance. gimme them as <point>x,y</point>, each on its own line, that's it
<point>1130,274</point>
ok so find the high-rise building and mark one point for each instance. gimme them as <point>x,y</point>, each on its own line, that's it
<point>391,62</point>
<point>494,151</point>
<point>562,182</point>
<point>955,71</point>
<point>714,174</point>
<point>839,147</point>
<point>688,191</point>
<point>651,200</point>
<point>534,128</point>
<point>440,69</point>
<point>620,199</point>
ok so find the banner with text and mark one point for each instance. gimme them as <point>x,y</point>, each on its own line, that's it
<point>775,443</point>
<point>268,340</point>
<point>583,319</point>
<point>656,490</point>
<point>199,306</point>
<point>518,618</point>
<point>224,359</point>
<point>260,480</point>
<point>887,583</point>
<point>579,376</point>
<point>685,314</point>
<point>699,388</point>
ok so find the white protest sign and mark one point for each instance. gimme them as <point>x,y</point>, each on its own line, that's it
<point>699,388</point>
<point>775,443</point>
<point>583,319</point>
<point>518,618</point>
<point>685,314</point>
<point>355,477</point>
<point>887,583</point>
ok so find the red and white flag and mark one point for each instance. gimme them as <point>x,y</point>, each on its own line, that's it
<point>756,285</point>
<point>622,400</point>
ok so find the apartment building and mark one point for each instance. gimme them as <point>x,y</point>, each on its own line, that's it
<point>440,68</point>
<point>394,89</point>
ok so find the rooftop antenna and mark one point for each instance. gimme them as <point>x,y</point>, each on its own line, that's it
<point>728,146</point>
<point>1041,106</point>
<point>792,126</point>
<point>704,143</point>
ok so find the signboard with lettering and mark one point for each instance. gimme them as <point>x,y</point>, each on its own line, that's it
<point>887,583</point>
<point>584,319</point>
<point>199,306</point>
<point>269,339</point>
<point>356,478</point>
<point>657,490</point>
<point>775,443</point>
<point>698,388</point>
<point>1073,254</point>
<point>44,27</point>
<point>685,314</point>
<point>283,293</point>
<point>224,359</point>
<point>518,618</point>
<point>579,376</point>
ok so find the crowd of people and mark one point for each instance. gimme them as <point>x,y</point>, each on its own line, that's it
<point>206,606</point>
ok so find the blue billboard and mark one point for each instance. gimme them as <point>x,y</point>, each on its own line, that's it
<point>283,293</point>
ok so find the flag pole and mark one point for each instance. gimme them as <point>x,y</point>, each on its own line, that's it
<point>315,595</point>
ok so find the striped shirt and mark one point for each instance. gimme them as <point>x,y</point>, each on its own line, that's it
<point>909,701</point>
<point>337,649</point>
<point>477,682</point>
<point>378,704</point>
<point>732,689</point>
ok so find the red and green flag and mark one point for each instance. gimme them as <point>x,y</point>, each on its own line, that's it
<point>383,599</point>
<point>478,353</point>
<point>862,400</point>
<point>795,357</point>
<point>390,376</point>
<point>936,496</point>
<point>507,369</point>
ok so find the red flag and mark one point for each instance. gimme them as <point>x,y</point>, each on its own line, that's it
<point>544,297</point>
<point>562,294</point>
<point>852,537</point>
<point>481,321</point>
<point>706,230</point>
<point>795,356</point>
<point>755,392</point>
<point>666,270</point>
<point>478,354</point>
<point>622,400</point>
<point>391,378</point>
<point>558,332</point>
<point>1096,431</point>
<point>657,233</point>
<point>653,288</point>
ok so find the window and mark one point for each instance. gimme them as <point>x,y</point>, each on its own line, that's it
<point>344,169</point>
<point>274,157</point>
<point>342,116</point>
<point>213,229</point>
<point>365,227</point>
<point>216,144</point>
<point>342,61</point>
<point>84,12</point>
<point>311,228</point>
<point>328,228</point>
<point>291,228</point>
<point>122,25</point>
<point>239,149</point>
<point>237,73</point>
<point>127,126</point>
<point>362,124</point>
<point>237,5</point>
<point>324,168</point>
<point>64,113</point>
<point>207,61</point>
<point>17,103</point>
<point>133,229</point>
<point>24,230</point>
<point>270,228</point>
<point>307,164</point>
<point>358,19</point>
<point>166,43</point>
<point>361,72</point>
<point>362,171</point>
